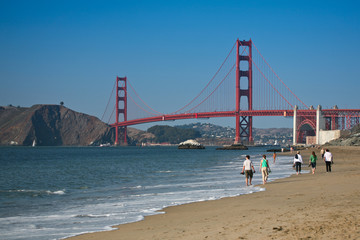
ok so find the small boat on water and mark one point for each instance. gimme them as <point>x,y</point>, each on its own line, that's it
<point>34,143</point>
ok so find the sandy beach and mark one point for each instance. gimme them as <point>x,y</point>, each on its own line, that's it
<point>307,206</point>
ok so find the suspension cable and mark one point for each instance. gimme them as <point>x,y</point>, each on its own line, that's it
<point>107,105</point>
<point>213,90</point>
<point>278,76</point>
<point>268,79</point>
<point>207,85</point>
<point>143,102</point>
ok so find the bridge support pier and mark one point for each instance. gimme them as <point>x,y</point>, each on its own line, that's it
<point>121,108</point>
<point>295,126</point>
<point>243,123</point>
<point>318,113</point>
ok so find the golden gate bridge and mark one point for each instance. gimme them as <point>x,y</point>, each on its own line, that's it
<point>244,86</point>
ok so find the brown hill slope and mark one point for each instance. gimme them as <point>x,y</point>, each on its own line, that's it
<point>51,125</point>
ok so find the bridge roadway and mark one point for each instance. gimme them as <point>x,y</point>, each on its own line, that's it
<point>284,113</point>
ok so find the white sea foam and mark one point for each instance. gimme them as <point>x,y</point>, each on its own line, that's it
<point>92,215</point>
<point>92,209</point>
<point>36,192</point>
<point>60,192</point>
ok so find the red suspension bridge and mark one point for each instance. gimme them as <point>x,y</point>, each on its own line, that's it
<point>244,86</point>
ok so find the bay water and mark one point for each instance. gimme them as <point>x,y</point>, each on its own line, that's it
<point>57,192</point>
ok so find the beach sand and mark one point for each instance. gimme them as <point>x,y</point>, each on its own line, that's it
<point>319,206</point>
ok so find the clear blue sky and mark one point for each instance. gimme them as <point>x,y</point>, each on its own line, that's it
<point>71,51</point>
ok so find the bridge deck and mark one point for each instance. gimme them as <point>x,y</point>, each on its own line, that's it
<point>285,113</point>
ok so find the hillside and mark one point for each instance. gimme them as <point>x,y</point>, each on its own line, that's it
<point>50,125</point>
<point>55,125</point>
<point>218,135</point>
<point>172,135</point>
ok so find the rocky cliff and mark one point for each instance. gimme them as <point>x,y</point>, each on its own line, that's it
<point>348,138</point>
<point>51,125</point>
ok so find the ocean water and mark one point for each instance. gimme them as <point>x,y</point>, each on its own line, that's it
<point>57,192</point>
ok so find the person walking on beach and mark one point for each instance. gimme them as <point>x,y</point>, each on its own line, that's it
<point>312,162</point>
<point>274,156</point>
<point>322,151</point>
<point>297,162</point>
<point>328,158</point>
<point>264,168</point>
<point>248,168</point>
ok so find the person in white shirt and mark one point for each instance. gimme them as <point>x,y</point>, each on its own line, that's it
<point>249,169</point>
<point>328,158</point>
<point>297,162</point>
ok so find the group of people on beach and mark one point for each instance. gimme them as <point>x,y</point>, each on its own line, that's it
<point>248,167</point>
<point>326,155</point>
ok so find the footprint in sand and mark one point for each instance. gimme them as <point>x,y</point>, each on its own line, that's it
<point>278,228</point>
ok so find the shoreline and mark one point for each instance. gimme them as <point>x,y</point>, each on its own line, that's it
<point>324,205</point>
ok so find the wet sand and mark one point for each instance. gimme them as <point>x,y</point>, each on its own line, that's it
<point>307,206</point>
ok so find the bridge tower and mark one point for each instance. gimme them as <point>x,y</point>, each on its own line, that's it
<point>121,108</point>
<point>243,123</point>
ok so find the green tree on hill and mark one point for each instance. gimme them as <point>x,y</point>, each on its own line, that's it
<point>172,134</point>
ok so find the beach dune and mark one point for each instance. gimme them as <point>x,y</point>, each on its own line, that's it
<point>320,206</point>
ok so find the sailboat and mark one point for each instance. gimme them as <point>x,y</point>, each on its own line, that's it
<point>34,143</point>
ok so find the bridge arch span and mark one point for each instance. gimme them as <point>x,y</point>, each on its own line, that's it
<point>307,127</point>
